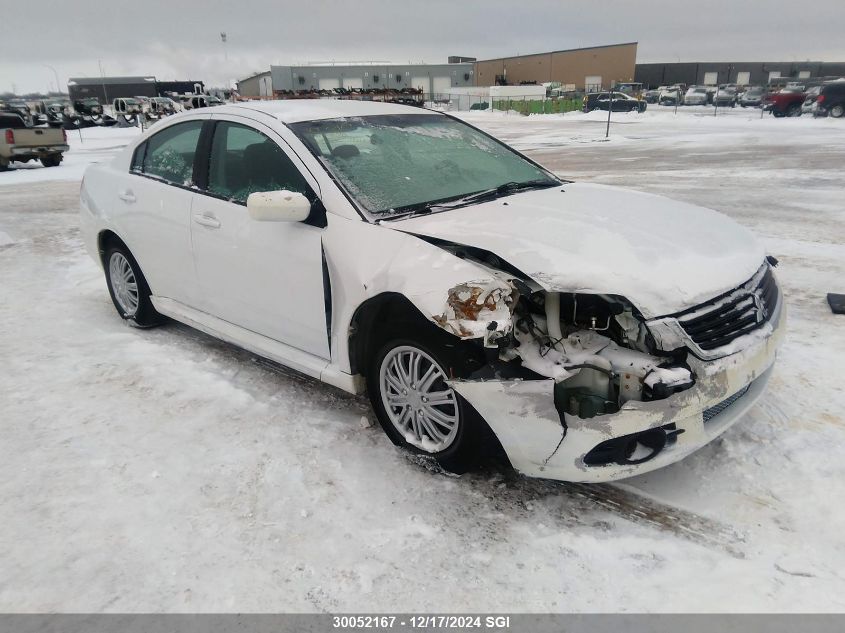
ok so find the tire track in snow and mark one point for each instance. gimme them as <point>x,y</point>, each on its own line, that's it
<point>624,504</point>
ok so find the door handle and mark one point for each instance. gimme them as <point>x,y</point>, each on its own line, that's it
<point>207,220</point>
<point>127,196</point>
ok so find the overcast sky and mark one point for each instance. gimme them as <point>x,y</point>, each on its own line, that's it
<point>180,39</point>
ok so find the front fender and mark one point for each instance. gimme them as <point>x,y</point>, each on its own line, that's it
<point>366,260</point>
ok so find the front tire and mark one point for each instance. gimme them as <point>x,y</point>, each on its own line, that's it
<point>128,288</point>
<point>416,407</point>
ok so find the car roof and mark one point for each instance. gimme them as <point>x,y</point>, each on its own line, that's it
<point>297,110</point>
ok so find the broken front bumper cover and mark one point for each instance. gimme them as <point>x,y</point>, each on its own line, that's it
<point>542,442</point>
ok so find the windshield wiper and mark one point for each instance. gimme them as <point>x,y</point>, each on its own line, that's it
<point>479,196</point>
<point>495,192</point>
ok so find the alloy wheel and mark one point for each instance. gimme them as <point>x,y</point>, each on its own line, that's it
<point>417,399</point>
<point>123,282</point>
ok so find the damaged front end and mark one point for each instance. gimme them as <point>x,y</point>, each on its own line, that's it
<point>577,387</point>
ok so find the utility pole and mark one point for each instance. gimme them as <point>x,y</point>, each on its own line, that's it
<point>103,77</point>
<point>58,84</point>
<point>223,38</point>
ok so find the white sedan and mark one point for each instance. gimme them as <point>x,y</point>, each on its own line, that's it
<point>592,333</point>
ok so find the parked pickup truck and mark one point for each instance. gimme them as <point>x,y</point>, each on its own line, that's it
<point>786,102</point>
<point>21,143</point>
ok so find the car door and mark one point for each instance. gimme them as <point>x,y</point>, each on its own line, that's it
<point>155,202</point>
<point>266,277</point>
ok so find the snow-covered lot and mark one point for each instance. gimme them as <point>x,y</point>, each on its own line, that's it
<point>161,470</point>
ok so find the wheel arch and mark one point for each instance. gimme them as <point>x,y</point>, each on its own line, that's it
<point>105,238</point>
<point>370,317</point>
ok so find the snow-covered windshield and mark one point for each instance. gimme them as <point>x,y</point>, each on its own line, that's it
<point>393,163</point>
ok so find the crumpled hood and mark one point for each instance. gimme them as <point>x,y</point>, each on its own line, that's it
<point>662,255</point>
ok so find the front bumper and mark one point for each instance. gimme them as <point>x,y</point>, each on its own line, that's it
<point>523,415</point>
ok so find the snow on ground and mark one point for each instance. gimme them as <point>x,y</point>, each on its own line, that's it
<point>160,470</point>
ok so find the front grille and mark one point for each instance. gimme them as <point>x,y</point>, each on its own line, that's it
<point>716,409</point>
<point>730,316</point>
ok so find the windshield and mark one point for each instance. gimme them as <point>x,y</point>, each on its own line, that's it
<point>396,163</point>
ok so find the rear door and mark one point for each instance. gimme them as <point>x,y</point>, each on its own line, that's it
<point>266,277</point>
<point>154,209</point>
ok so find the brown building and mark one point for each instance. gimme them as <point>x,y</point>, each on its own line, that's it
<point>587,68</point>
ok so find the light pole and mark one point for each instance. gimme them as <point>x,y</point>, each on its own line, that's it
<point>58,85</point>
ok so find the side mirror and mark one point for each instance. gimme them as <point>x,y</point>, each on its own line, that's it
<point>278,206</point>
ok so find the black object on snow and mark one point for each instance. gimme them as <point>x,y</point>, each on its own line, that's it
<point>837,303</point>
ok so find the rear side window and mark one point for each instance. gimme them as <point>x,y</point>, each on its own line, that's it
<point>245,161</point>
<point>169,155</point>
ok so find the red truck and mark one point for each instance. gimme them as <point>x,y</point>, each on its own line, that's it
<point>786,102</point>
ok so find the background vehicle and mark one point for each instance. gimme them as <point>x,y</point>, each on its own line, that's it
<point>19,107</point>
<point>632,89</point>
<point>752,97</point>
<point>810,96</point>
<point>696,95</point>
<point>671,95</point>
<point>653,95</point>
<point>89,107</point>
<point>786,102</point>
<point>725,96</point>
<point>203,101</point>
<point>21,143</point>
<point>621,102</point>
<point>162,106</point>
<point>831,99</point>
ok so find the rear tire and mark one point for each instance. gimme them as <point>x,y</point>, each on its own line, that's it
<point>53,160</point>
<point>794,110</point>
<point>837,111</point>
<point>404,379</point>
<point>128,288</point>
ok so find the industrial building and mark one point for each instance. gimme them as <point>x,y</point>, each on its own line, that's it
<point>742,73</point>
<point>258,85</point>
<point>430,78</point>
<point>106,89</point>
<point>580,68</point>
<point>591,68</point>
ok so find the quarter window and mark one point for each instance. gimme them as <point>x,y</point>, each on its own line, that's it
<point>170,154</point>
<point>245,161</point>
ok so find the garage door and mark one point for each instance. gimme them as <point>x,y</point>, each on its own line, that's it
<point>421,82</point>
<point>743,79</point>
<point>353,82</point>
<point>441,85</point>
<point>592,83</point>
<point>775,74</point>
<point>329,84</point>
<point>711,79</point>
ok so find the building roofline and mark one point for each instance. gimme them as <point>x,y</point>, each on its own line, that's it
<point>565,50</point>
<point>98,81</point>
<point>734,62</point>
<point>377,65</point>
<point>254,75</point>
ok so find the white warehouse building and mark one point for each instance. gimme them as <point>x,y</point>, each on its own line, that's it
<point>433,79</point>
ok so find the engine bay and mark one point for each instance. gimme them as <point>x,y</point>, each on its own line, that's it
<point>595,347</point>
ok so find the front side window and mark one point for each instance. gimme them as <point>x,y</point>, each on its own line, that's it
<point>245,161</point>
<point>393,163</point>
<point>169,154</point>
